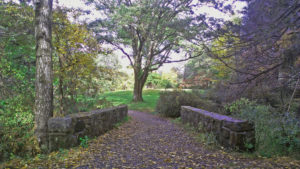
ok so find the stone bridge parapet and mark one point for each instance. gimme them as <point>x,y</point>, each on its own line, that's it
<point>229,131</point>
<point>64,132</point>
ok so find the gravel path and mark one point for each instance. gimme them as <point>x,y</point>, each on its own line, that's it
<point>148,141</point>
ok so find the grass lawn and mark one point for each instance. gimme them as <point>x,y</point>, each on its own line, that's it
<point>125,97</point>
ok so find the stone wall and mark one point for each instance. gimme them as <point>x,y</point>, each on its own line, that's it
<point>229,131</point>
<point>64,132</point>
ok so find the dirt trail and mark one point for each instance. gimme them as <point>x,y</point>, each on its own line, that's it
<point>148,141</point>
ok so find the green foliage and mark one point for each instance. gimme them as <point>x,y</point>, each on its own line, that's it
<point>165,83</point>
<point>238,105</point>
<point>276,133</point>
<point>17,75</point>
<point>84,141</point>
<point>111,78</point>
<point>154,80</point>
<point>249,146</point>
<point>204,71</point>
<point>198,72</point>
<point>103,103</point>
<point>76,75</point>
<point>86,103</point>
<point>17,54</point>
<point>162,81</point>
<point>170,102</point>
<point>154,30</point>
<point>220,48</point>
<point>74,46</point>
<point>16,131</point>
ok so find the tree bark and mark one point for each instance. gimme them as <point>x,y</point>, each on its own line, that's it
<point>44,73</point>
<point>139,82</point>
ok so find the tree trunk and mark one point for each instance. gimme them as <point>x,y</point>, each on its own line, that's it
<point>138,91</point>
<point>44,74</point>
<point>139,82</point>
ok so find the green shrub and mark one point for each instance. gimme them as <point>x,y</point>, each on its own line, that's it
<point>170,102</point>
<point>238,105</point>
<point>165,84</point>
<point>16,134</point>
<point>84,141</point>
<point>276,133</point>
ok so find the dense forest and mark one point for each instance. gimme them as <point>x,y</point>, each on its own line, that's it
<point>54,63</point>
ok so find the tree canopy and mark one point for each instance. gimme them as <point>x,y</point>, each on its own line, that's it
<point>148,32</point>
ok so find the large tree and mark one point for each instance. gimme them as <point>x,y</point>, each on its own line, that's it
<point>44,74</point>
<point>148,32</point>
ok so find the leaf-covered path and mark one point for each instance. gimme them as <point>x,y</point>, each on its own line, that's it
<point>148,141</point>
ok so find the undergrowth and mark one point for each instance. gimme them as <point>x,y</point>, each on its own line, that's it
<point>84,141</point>
<point>277,133</point>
